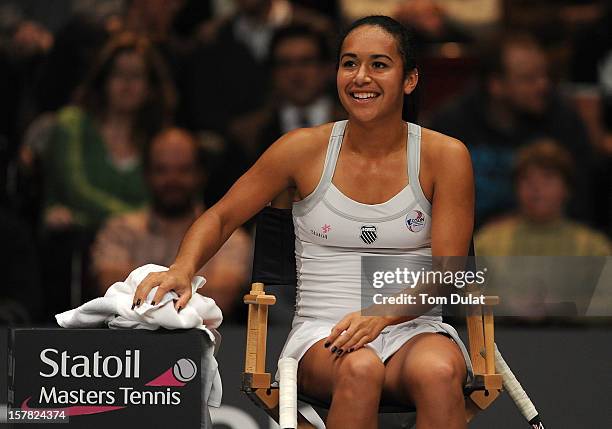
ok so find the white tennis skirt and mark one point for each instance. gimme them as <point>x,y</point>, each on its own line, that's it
<point>306,332</point>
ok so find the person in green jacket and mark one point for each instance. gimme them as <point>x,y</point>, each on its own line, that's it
<point>92,165</point>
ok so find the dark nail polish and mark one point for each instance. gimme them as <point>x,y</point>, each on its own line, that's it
<point>339,352</point>
<point>350,350</point>
<point>179,309</point>
<point>152,302</point>
<point>327,344</point>
<point>334,348</point>
<point>133,305</point>
<point>138,303</point>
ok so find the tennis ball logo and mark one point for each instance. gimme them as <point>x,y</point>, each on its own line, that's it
<point>184,370</point>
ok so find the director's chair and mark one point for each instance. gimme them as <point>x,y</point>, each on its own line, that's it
<point>274,264</point>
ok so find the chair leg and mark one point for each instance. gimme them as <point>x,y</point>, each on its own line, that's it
<point>471,409</point>
<point>266,399</point>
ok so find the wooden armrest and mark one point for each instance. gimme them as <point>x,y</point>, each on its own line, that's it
<point>260,299</point>
<point>481,335</point>
<point>255,375</point>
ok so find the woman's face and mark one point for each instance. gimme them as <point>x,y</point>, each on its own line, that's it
<point>127,85</point>
<point>371,82</point>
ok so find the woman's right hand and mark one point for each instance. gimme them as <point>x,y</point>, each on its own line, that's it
<point>174,279</point>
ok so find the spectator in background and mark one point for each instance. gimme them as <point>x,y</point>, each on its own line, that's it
<point>175,178</point>
<point>229,77</point>
<point>554,282</point>
<point>543,178</point>
<point>92,162</point>
<point>301,76</point>
<point>236,44</point>
<point>513,104</point>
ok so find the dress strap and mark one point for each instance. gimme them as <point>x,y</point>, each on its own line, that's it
<point>301,208</point>
<point>333,150</point>
<point>414,165</point>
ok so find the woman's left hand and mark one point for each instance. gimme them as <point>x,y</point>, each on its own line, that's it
<point>354,331</point>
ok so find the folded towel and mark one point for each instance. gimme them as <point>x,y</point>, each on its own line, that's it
<point>114,309</point>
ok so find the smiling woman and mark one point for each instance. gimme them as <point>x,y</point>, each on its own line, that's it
<point>382,66</point>
<point>357,186</point>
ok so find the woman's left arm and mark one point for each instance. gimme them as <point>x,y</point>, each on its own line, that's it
<point>452,209</point>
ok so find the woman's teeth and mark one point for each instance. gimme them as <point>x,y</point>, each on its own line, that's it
<point>364,95</point>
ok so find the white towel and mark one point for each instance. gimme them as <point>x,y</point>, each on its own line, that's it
<point>115,310</point>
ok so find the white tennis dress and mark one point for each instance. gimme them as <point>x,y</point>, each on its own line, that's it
<point>333,232</point>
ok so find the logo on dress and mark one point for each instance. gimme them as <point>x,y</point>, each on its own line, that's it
<point>415,223</point>
<point>368,234</point>
<point>325,229</point>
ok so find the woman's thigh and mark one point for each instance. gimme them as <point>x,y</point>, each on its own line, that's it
<point>320,369</point>
<point>420,360</point>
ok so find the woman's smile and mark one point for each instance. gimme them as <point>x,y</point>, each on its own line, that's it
<point>364,97</point>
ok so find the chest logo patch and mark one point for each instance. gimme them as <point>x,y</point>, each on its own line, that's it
<point>324,230</point>
<point>415,222</point>
<point>368,234</point>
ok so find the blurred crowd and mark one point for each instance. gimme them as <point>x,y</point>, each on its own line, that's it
<point>123,120</point>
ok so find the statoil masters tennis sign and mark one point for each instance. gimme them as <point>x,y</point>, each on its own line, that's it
<point>101,378</point>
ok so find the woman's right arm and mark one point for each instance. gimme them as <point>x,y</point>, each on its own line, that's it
<point>271,174</point>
